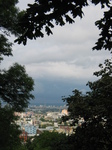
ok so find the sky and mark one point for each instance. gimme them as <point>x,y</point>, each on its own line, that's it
<point>63,61</point>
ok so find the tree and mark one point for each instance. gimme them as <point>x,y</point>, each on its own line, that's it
<point>105,25</point>
<point>50,140</point>
<point>5,47</point>
<point>96,108</point>
<point>15,84</point>
<point>44,14</point>
<point>9,18</point>
<point>16,87</point>
<point>9,131</point>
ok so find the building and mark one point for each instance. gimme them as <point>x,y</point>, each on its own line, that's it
<point>30,129</point>
<point>66,129</point>
<point>64,112</point>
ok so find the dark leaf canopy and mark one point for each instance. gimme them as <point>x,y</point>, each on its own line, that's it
<point>15,85</point>
<point>95,107</point>
<point>42,16</point>
<point>9,18</point>
<point>105,25</point>
<point>97,101</point>
<point>9,130</point>
<point>49,141</point>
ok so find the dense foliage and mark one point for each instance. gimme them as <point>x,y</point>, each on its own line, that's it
<point>8,16</point>
<point>9,19</point>
<point>16,87</point>
<point>9,131</point>
<point>43,15</point>
<point>95,107</point>
<point>15,84</point>
<point>49,141</point>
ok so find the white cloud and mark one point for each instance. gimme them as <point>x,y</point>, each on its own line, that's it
<point>59,70</point>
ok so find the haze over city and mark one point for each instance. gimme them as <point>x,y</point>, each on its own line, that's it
<point>61,62</point>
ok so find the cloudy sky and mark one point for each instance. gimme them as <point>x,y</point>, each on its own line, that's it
<point>63,61</point>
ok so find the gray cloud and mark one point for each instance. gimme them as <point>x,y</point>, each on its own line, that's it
<point>63,61</point>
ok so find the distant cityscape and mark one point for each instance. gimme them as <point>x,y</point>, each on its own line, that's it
<point>36,103</point>
<point>37,119</point>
